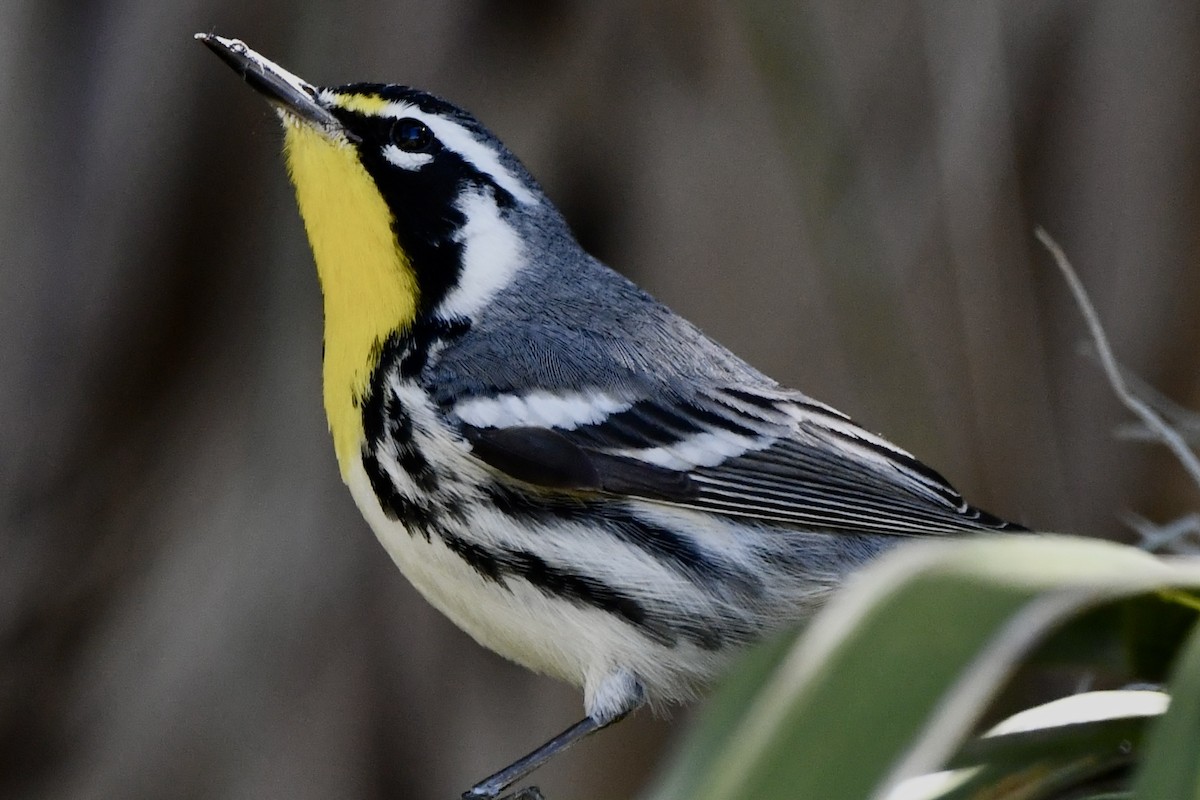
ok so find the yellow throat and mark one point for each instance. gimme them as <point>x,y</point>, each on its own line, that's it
<point>369,286</point>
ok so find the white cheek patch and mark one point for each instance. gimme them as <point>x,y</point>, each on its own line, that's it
<point>404,160</point>
<point>492,254</point>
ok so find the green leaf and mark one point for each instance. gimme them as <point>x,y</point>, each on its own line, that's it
<point>1154,629</point>
<point>1046,763</point>
<point>721,716</point>
<point>890,679</point>
<point>1171,768</point>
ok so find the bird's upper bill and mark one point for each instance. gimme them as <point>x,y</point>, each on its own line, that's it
<point>284,90</point>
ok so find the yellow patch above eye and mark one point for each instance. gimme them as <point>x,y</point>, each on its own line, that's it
<point>369,287</point>
<point>370,105</point>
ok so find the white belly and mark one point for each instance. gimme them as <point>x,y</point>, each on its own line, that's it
<point>552,635</point>
<point>555,618</point>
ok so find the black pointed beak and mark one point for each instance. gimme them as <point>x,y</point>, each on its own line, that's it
<point>281,88</point>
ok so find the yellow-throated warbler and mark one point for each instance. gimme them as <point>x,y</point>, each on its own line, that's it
<point>575,475</point>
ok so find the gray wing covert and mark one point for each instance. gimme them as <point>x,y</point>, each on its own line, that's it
<point>762,455</point>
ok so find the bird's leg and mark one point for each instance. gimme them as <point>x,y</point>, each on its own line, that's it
<point>618,695</point>
<point>490,787</point>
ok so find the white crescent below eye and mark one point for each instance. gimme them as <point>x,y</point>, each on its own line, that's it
<point>405,160</point>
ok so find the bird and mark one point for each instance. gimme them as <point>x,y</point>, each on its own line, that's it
<point>575,475</point>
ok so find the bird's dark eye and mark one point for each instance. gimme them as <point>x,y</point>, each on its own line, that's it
<point>412,135</point>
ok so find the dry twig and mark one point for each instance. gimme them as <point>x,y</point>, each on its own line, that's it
<point>1153,538</point>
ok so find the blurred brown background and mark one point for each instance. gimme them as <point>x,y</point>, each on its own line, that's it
<point>844,193</point>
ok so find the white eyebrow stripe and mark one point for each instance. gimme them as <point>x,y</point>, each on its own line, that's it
<point>462,141</point>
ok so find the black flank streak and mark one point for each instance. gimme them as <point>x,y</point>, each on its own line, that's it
<point>452,507</point>
<point>398,425</point>
<point>685,555</point>
<point>421,339</point>
<point>702,637</point>
<point>413,461</point>
<point>485,563</point>
<point>675,549</point>
<point>387,424</point>
<point>415,516</point>
<point>586,591</point>
<point>390,428</point>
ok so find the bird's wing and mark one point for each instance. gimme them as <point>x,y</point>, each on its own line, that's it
<point>763,455</point>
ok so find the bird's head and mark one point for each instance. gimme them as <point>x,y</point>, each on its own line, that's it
<point>411,209</point>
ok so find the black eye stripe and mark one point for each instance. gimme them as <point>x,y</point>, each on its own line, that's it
<point>412,135</point>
